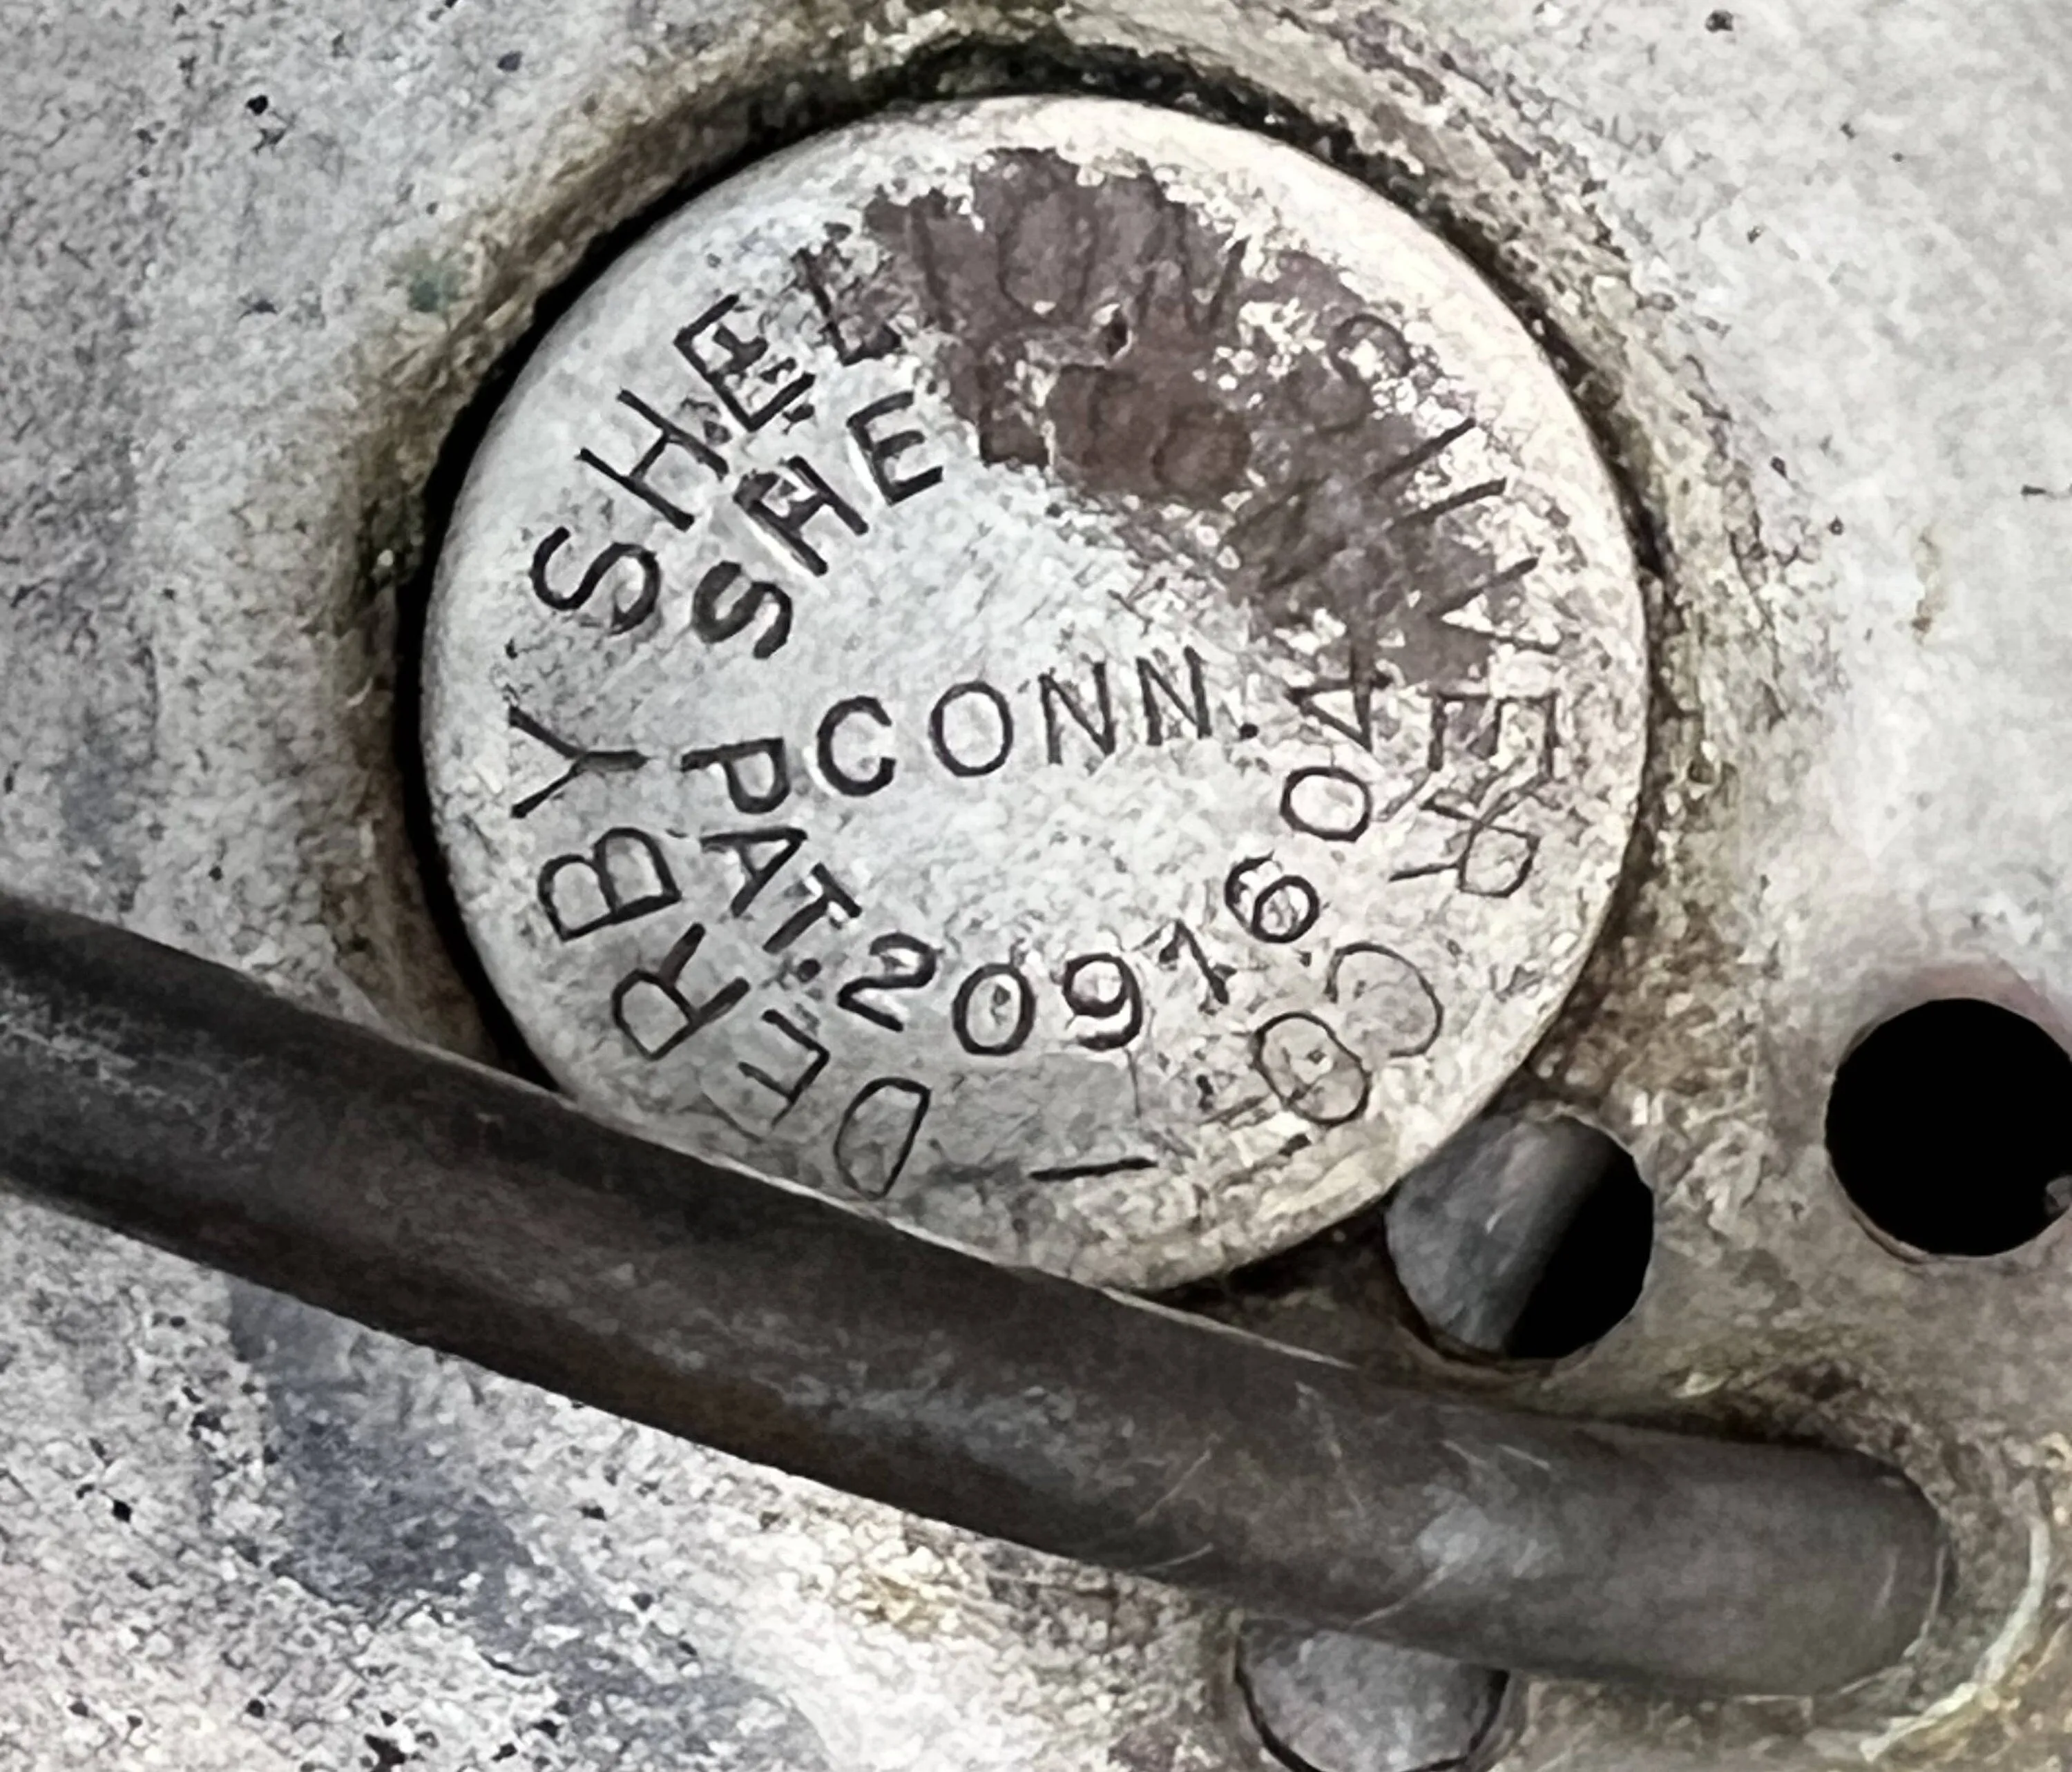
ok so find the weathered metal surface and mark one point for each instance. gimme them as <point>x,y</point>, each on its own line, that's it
<point>1057,668</point>
<point>1803,267</point>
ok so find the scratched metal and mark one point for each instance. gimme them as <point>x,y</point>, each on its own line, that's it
<point>1061,670</point>
<point>1805,268</point>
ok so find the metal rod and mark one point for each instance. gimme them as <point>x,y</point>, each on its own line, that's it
<point>182,1103</point>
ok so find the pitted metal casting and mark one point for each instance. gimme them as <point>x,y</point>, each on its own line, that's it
<point>1803,267</point>
<point>1059,669</point>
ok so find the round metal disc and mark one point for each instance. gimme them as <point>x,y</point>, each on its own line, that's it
<point>1064,671</point>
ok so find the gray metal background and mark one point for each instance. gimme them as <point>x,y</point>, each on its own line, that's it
<point>1806,266</point>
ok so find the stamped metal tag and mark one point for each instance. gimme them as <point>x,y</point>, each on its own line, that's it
<point>1062,671</point>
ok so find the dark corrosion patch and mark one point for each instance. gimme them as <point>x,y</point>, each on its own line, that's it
<point>1103,330</point>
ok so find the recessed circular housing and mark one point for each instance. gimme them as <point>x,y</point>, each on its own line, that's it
<point>1064,673</point>
<point>1951,1127</point>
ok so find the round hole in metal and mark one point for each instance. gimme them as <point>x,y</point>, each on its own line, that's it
<point>1526,1238</point>
<point>1951,1127</point>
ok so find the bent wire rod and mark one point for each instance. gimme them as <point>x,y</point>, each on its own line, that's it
<point>179,1102</point>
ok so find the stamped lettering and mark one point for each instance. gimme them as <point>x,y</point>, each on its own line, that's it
<point>1056,672</point>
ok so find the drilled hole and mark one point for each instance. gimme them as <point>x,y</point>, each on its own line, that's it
<point>1950,1127</point>
<point>1320,1702</point>
<point>1525,1238</point>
